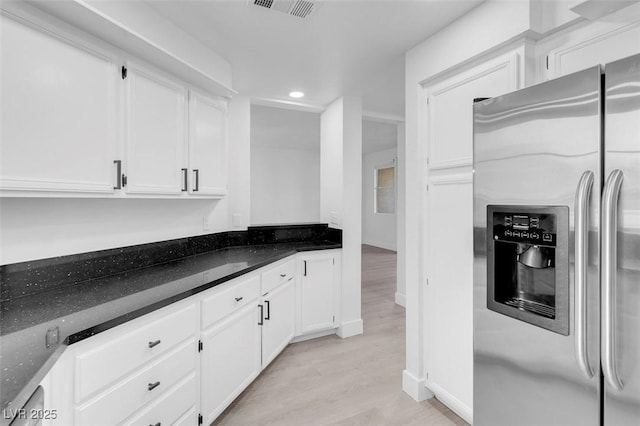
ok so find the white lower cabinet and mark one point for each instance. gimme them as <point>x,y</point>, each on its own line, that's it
<point>230,360</point>
<point>184,364</point>
<point>317,291</point>
<point>278,322</point>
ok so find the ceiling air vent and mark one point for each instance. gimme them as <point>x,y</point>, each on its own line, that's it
<point>299,8</point>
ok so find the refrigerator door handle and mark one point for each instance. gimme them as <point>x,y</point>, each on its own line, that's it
<point>581,227</point>
<point>608,272</point>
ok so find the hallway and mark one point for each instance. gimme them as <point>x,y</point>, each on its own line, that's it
<point>334,381</point>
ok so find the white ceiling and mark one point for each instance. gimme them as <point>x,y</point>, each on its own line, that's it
<point>351,47</point>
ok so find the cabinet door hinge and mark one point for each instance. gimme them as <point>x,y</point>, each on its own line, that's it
<point>200,345</point>
<point>199,418</point>
<point>124,72</point>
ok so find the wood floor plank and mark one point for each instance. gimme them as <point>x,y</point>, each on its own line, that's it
<point>347,382</point>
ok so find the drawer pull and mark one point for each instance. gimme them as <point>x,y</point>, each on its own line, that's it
<point>239,299</point>
<point>283,275</point>
<point>152,386</point>
<point>157,424</point>
<point>153,344</point>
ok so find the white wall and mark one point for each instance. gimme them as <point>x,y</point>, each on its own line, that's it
<point>341,198</point>
<point>239,198</point>
<point>378,229</point>
<point>285,166</point>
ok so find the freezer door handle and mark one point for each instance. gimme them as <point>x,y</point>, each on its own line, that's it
<point>608,272</point>
<point>581,221</point>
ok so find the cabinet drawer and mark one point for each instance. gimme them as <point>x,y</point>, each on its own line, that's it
<point>133,393</point>
<point>277,275</point>
<point>175,407</point>
<point>108,362</point>
<point>225,300</point>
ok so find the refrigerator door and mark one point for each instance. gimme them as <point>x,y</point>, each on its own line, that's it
<point>537,158</point>
<point>621,287</point>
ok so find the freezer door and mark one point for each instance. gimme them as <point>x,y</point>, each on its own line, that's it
<point>621,248</point>
<point>532,149</point>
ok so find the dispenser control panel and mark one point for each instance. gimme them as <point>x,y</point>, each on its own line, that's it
<point>525,228</point>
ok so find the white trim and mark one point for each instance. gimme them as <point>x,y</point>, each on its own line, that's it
<point>350,328</point>
<point>456,179</point>
<point>313,335</point>
<point>381,117</point>
<point>415,387</point>
<point>452,163</point>
<point>291,105</point>
<point>452,402</point>
<point>401,299</point>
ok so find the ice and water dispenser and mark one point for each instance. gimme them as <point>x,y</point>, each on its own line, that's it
<point>527,264</point>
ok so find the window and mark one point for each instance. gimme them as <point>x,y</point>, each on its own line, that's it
<point>385,189</point>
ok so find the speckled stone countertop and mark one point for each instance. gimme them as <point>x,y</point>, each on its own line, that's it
<point>82,295</point>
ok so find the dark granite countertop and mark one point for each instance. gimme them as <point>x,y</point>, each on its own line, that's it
<point>83,308</point>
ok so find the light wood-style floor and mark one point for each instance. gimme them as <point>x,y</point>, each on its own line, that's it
<point>333,381</point>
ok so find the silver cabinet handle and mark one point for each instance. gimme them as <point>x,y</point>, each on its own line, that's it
<point>152,386</point>
<point>239,298</point>
<point>283,275</point>
<point>609,225</point>
<point>268,316</point>
<point>154,343</point>
<point>581,227</point>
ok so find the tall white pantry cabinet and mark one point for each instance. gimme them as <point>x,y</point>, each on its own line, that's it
<point>83,119</point>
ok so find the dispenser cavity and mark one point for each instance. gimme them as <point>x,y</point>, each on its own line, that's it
<point>528,264</point>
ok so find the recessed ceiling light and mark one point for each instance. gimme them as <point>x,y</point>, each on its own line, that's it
<point>296,94</point>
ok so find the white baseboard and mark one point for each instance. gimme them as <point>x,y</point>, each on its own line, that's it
<point>313,335</point>
<point>414,387</point>
<point>401,299</point>
<point>350,328</point>
<point>457,406</point>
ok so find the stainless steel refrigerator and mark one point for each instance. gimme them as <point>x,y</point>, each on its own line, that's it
<point>557,251</point>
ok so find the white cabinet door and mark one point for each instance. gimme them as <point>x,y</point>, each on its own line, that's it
<point>58,112</point>
<point>317,292</point>
<point>230,360</point>
<point>156,109</point>
<point>278,320</point>
<point>207,146</point>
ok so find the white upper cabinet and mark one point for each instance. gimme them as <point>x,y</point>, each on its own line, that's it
<point>155,134</point>
<point>58,112</point>
<point>74,124</point>
<point>207,145</point>
<point>451,108</point>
